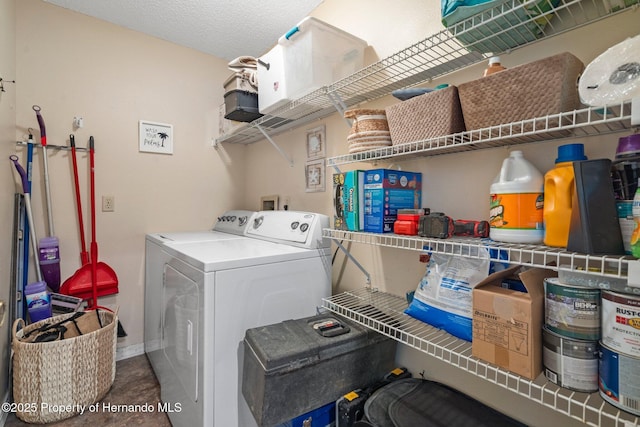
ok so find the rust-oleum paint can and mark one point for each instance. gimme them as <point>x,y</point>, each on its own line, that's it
<point>621,322</point>
<point>619,377</point>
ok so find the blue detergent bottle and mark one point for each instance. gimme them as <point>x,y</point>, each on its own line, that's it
<point>38,301</point>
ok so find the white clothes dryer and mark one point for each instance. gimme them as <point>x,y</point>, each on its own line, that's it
<point>211,293</point>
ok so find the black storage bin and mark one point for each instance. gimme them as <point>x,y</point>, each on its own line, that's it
<point>241,106</point>
<point>290,368</point>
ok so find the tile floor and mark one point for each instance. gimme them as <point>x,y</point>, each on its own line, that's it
<point>135,383</point>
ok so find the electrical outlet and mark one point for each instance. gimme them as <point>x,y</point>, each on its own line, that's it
<point>108,203</point>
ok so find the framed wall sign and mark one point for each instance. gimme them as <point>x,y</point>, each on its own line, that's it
<point>314,176</point>
<point>155,137</point>
<point>316,143</point>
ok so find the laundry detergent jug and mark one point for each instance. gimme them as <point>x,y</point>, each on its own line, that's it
<point>516,202</point>
<point>559,186</point>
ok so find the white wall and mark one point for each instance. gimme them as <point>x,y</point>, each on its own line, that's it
<point>455,184</point>
<point>7,188</point>
<point>74,65</point>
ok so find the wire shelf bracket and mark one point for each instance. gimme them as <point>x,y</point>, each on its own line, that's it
<point>276,146</point>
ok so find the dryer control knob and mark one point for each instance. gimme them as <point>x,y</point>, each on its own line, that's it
<point>304,227</point>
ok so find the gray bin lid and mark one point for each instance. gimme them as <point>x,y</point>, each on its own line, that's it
<point>293,344</point>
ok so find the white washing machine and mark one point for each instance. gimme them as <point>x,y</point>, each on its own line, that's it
<point>232,224</point>
<point>201,297</point>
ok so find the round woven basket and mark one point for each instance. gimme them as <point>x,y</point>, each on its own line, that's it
<point>369,130</point>
<point>70,373</point>
<point>365,120</point>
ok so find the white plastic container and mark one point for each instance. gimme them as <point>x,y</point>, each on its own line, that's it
<point>272,86</point>
<point>313,54</point>
<point>516,202</point>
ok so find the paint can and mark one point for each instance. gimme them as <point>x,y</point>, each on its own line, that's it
<point>570,363</point>
<point>619,376</point>
<point>572,311</point>
<point>621,322</point>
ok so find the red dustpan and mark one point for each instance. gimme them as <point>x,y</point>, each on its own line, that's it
<point>94,278</point>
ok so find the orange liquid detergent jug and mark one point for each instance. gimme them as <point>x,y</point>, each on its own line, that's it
<point>515,203</point>
<point>558,195</point>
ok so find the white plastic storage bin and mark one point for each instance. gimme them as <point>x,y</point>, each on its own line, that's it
<point>272,86</point>
<point>312,54</point>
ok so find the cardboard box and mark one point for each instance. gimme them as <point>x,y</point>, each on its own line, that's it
<point>386,191</point>
<point>507,324</point>
<point>339,221</point>
<point>354,199</point>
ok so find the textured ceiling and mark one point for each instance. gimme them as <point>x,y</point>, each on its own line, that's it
<point>224,28</point>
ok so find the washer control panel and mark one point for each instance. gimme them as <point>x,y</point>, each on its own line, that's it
<point>234,221</point>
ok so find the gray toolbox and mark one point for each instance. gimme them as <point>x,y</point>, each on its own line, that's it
<point>295,366</point>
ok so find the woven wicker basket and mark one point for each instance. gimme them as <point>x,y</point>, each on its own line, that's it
<point>426,116</point>
<point>537,89</point>
<point>369,130</point>
<point>74,371</point>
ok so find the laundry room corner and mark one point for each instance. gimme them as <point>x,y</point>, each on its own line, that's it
<point>288,213</point>
<point>67,61</point>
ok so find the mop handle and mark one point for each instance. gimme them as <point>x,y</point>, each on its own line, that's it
<point>43,130</point>
<point>94,246</point>
<point>43,142</point>
<point>84,256</point>
<point>48,192</point>
<point>27,199</point>
<point>93,192</point>
<point>26,225</point>
<point>22,172</point>
<point>30,159</point>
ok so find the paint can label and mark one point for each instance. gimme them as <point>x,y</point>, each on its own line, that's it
<point>572,311</point>
<point>621,323</point>
<point>619,376</point>
<point>570,363</point>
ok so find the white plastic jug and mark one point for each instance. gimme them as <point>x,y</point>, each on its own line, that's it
<point>516,202</point>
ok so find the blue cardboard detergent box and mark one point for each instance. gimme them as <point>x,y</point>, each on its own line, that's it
<point>353,200</point>
<point>386,191</point>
